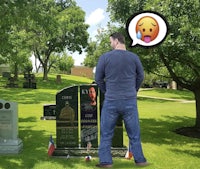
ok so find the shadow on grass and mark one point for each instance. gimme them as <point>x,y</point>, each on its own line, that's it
<point>52,84</point>
<point>153,131</point>
<point>183,94</point>
<point>162,132</point>
<point>35,147</point>
<point>27,96</point>
<point>35,96</point>
<point>28,119</point>
<point>195,153</point>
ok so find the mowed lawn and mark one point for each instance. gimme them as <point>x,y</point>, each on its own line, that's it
<point>163,148</point>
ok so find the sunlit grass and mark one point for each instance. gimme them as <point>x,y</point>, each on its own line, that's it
<point>163,148</point>
<point>168,93</point>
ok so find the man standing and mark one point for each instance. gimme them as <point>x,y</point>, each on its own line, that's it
<point>119,74</point>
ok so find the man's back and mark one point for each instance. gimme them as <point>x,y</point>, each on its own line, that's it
<point>123,74</point>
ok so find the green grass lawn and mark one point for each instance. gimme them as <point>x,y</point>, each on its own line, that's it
<point>168,93</point>
<point>163,148</point>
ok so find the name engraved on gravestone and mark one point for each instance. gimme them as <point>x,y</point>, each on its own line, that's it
<point>88,103</point>
<point>68,136</point>
<point>67,117</point>
<point>6,125</point>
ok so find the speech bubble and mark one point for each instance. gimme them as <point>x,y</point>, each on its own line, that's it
<point>136,36</point>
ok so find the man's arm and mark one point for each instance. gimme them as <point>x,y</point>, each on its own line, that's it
<point>140,74</point>
<point>100,74</point>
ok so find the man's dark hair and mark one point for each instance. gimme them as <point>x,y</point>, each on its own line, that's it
<point>118,36</point>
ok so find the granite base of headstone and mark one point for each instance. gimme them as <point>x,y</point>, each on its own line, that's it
<point>9,141</point>
<point>82,151</point>
<point>11,146</point>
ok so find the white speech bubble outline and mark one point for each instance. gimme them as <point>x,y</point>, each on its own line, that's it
<point>162,29</point>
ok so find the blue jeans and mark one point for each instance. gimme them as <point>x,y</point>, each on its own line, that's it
<point>109,115</point>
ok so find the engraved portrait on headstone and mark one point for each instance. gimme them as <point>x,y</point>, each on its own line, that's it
<point>89,130</point>
<point>67,113</point>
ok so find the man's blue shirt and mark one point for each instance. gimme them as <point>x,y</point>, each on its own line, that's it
<point>119,74</point>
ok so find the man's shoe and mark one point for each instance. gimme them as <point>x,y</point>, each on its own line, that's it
<point>104,165</point>
<point>143,164</point>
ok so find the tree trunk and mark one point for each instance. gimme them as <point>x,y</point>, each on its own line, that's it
<point>37,67</point>
<point>197,98</point>
<point>15,71</point>
<point>45,73</point>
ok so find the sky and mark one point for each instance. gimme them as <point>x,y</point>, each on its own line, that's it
<point>96,17</point>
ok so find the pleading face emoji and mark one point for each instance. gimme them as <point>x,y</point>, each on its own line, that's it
<point>147,29</point>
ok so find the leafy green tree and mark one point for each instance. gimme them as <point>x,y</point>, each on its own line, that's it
<point>18,53</point>
<point>90,59</point>
<point>179,53</point>
<point>96,48</point>
<point>13,37</point>
<point>54,27</point>
<point>50,27</point>
<point>13,13</point>
<point>65,63</point>
<point>2,59</point>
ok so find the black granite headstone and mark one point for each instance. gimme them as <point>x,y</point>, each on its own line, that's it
<point>12,82</point>
<point>77,123</point>
<point>88,106</point>
<point>49,110</point>
<point>67,117</point>
<point>29,81</point>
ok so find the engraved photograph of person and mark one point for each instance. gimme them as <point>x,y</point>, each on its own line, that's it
<point>67,113</point>
<point>89,107</point>
<point>92,95</point>
<point>89,100</point>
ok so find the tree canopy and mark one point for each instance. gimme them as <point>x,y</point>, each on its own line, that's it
<point>180,52</point>
<point>49,27</point>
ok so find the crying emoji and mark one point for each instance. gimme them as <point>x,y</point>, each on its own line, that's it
<point>147,29</point>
